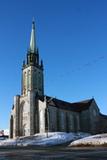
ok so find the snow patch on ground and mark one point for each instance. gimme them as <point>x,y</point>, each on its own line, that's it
<point>6,132</point>
<point>96,140</point>
<point>54,138</point>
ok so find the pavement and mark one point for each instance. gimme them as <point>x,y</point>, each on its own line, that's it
<point>54,153</point>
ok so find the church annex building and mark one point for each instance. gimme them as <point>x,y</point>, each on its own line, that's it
<point>33,112</point>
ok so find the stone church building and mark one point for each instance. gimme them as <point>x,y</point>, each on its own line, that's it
<point>33,112</point>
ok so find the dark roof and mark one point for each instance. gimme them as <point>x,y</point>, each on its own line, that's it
<point>103,116</point>
<point>76,107</point>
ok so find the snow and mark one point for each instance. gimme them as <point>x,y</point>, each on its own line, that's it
<point>6,132</point>
<point>57,138</point>
<point>54,138</point>
<point>96,140</point>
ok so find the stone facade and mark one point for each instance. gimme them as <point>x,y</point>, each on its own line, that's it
<point>33,112</point>
<point>73,117</point>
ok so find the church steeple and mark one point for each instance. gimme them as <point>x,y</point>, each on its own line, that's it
<point>33,39</point>
<point>33,54</point>
<point>32,69</point>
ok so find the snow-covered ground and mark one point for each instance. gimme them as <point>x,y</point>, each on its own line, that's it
<point>4,132</point>
<point>54,138</point>
<point>96,140</point>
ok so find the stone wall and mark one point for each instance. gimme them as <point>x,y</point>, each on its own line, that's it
<point>84,121</point>
<point>42,114</point>
<point>70,121</point>
<point>89,119</point>
<point>15,115</point>
<point>94,118</point>
<point>102,124</point>
<point>53,118</point>
<point>24,116</point>
<point>63,120</point>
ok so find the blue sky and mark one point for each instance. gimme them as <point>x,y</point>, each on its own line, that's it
<point>72,40</point>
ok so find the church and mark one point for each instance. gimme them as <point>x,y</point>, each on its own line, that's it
<point>34,112</point>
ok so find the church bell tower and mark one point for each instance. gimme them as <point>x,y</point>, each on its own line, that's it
<point>32,69</point>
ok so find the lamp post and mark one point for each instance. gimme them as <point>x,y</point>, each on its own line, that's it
<point>47,114</point>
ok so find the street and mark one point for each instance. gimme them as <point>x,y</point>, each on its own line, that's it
<point>54,153</point>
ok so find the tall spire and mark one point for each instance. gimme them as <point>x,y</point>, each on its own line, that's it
<point>32,39</point>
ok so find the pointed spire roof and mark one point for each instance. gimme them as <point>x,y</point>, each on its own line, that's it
<point>32,39</point>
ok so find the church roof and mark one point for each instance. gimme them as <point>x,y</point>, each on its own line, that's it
<point>103,116</point>
<point>76,107</point>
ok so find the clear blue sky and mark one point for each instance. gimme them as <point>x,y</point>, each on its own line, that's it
<point>72,39</point>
